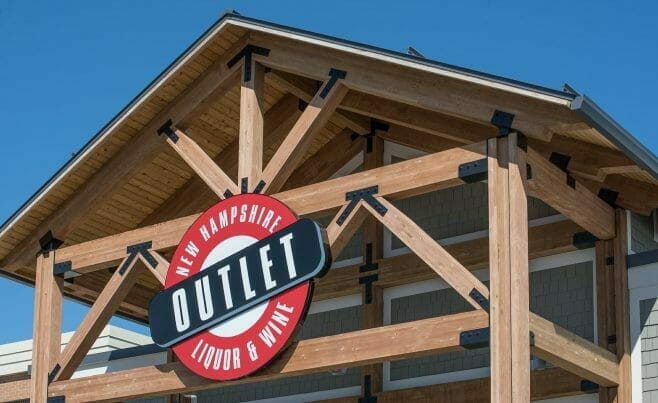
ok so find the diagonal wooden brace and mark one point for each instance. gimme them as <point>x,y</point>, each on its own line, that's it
<point>433,254</point>
<point>199,161</point>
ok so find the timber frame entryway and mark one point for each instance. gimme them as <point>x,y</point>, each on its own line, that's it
<point>307,105</point>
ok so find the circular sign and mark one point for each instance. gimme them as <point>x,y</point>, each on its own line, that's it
<point>238,286</point>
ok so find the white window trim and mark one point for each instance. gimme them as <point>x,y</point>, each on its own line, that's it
<point>643,284</point>
<point>333,304</point>
<point>539,264</point>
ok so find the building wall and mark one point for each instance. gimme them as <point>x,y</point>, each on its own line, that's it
<point>563,295</point>
<point>642,233</point>
<point>649,346</point>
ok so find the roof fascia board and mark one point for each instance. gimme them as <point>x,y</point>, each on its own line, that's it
<point>402,59</point>
<point>596,117</point>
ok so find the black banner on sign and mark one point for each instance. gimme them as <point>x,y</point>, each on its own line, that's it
<point>243,280</point>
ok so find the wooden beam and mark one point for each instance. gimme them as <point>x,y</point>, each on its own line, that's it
<point>433,254</point>
<point>549,183</point>
<point>545,240</point>
<point>587,160</point>
<point>47,328</point>
<point>327,160</point>
<point>372,250</point>
<point>250,161</point>
<point>192,197</point>
<point>202,164</point>
<point>402,179</point>
<point>547,383</point>
<point>636,196</point>
<point>448,127</point>
<point>304,89</point>
<point>622,310</point>
<point>339,235</point>
<point>417,139</point>
<point>440,92</point>
<point>404,340</point>
<point>605,307</point>
<point>134,155</point>
<point>519,269</point>
<point>290,152</point>
<point>573,353</point>
<point>500,316</point>
<point>98,316</point>
<point>160,270</point>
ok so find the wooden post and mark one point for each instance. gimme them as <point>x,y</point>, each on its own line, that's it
<point>373,250</point>
<point>605,306</point>
<point>250,161</point>
<point>622,312</point>
<point>47,336</point>
<point>508,248</point>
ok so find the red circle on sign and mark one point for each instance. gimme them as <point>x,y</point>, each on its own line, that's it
<point>252,339</point>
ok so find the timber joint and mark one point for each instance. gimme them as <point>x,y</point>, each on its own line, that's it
<point>503,121</point>
<point>168,130</point>
<point>48,243</point>
<point>365,194</point>
<point>138,249</point>
<point>247,53</point>
<point>334,76</point>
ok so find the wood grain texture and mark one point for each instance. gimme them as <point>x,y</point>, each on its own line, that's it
<point>250,161</point>
<point>405,340</point>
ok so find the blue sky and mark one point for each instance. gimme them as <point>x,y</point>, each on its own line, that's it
<point>68,67</point>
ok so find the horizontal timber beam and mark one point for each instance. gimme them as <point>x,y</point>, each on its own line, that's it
<point>573,353</point>
<point>547,383</point>
<point>403,179</point>
<point>405,340</point>
<point>553,186</point>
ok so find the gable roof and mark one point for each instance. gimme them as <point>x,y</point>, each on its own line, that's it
<point>215,130</point>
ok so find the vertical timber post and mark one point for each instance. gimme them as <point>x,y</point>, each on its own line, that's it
<point>605,306</point>
<point>372,248</point>
<point>622,312</point>
<point>250,143</point>
<point>47,330</point>
<point>509,285</point>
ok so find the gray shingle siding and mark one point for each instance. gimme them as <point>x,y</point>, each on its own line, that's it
<point>456,211</point>
<point>563,295</point>
<point>649,344</point>
<point>642,233</point>
<point>316,325</point>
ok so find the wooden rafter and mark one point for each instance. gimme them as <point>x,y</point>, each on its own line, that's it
<point>433,254</point>
<point>98,316</point>
<point>573,353</point>
<point>424,89</point>
<point>290,152</point>
<point>552,185</point>
<point>327,160</point>
<point>138,152</point>
<point>212,175</point>
<point>279,119</point>
<point>304,89</point>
